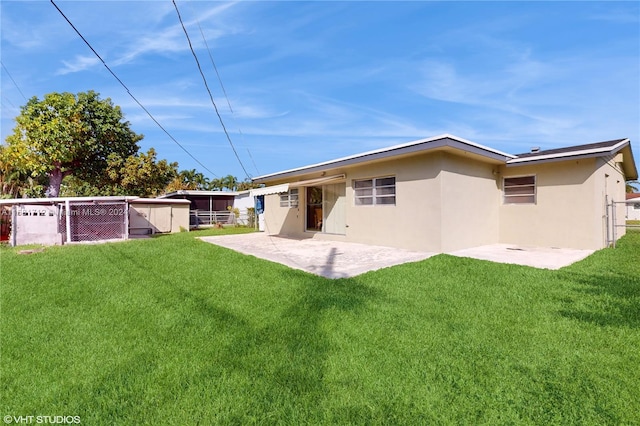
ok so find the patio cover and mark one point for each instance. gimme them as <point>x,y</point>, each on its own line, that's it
<point>284,187</point>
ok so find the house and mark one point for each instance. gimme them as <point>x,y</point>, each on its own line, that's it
<point>446,193</point>
<point>633,206</point>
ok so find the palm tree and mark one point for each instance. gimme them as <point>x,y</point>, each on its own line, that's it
<point>632,186</point>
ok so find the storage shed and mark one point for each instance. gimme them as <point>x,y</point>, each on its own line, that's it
<point>63,220</point>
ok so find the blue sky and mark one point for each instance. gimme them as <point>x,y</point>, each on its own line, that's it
<point>314,81</point>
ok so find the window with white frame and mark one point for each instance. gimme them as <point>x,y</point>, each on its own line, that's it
<point>519,190</point>
<point>289,199</point>
<point>376,191</point>
<point>636,206</point>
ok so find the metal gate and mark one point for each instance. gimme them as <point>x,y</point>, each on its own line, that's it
<point>612,221</point>
<point>92,221</point>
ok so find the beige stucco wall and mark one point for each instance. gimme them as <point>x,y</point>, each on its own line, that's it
<point>569,210</point>
<point>470,203</point>
<point>443,202</point>
<point>447,202</point>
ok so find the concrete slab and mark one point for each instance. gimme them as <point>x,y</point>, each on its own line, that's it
<point>336,259</point>
<point>538,257</point>
<point>330,259</point>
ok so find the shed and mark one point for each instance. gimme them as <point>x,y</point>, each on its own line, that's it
<point>63,220</point>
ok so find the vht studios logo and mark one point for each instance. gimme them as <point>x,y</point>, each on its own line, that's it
<point>51,420</point>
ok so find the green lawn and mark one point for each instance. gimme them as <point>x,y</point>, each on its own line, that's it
<point>175,331</point>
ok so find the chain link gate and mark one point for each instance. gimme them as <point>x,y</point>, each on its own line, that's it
<point>87,221</point>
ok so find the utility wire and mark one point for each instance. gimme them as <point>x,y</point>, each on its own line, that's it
<point>204,79</point>
<point>14,82</point>
<point>129,92</point>
<point>204,39</point>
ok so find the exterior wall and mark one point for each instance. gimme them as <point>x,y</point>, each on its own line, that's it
<point>285,221</point>
<point>414,222</point>
<point>242,202</point>
<point>568,211</point>
<point>158,217</point>
<point>36,224</point>
<point>470,203</point>
<point>443,202</point>
<point>447,202</point>
<point>180,217</point>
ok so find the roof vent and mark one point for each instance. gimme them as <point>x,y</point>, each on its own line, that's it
<point>535,149</point>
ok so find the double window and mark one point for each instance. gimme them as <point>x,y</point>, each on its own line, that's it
<point>289,199</point>
<point>520,190</point>
<point>376,191</point>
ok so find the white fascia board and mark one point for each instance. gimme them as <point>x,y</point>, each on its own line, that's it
<point>385,152</point>
<point>593,152</point>
<point>54,200</point>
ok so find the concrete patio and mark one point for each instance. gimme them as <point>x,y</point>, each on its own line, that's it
<point>336,259</point>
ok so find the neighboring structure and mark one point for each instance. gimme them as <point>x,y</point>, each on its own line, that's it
<point>445,193</point>
<point>210,207</point>
<point>65,220</point>
<point>633,206</point>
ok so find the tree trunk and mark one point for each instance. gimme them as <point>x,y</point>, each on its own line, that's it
<point>55,180</point>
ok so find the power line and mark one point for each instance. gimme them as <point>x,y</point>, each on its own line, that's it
<point>129,92</point>
<point>204,39</point>
<point>14,82</point>
<point>204,79</point>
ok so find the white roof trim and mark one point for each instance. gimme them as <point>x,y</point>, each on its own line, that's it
<point>274,189</point>
<point>198,192</point>
<point>584,152</point>
<point>53,200</point>
<point>387,150</point>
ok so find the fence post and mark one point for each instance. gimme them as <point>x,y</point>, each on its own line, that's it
<point>67,207</point>
<point>126,219</point>
<point>613,221</point>
<point>14,227</point>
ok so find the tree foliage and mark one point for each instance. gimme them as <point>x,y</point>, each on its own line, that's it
<point>140,175</point>
<point>65,134</point>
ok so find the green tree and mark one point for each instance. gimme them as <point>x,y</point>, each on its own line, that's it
<point>65,134</point>
<point>140,175</point>
<point>632,186</point>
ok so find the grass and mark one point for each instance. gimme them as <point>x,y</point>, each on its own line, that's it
<point>176,331</point>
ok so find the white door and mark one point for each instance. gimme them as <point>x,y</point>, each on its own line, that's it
<point>334,208</point>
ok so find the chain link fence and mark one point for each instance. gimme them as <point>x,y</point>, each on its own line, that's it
<point>85,222</point>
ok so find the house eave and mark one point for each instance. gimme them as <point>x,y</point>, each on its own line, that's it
<point>441,142</point>
<point>623,146</point>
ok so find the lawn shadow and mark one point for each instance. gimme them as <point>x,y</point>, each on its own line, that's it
<point>282,361</point>
<point>613,299</point>
<point>297,342</point>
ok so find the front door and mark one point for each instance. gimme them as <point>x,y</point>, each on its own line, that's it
<point>325,208</point>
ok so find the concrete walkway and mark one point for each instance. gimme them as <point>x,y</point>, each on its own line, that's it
<point>336,259</point>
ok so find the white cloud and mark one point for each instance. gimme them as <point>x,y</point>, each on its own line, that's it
<point>80,63</point>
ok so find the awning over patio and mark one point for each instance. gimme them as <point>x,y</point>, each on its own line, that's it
<point>284,187</point>
<point>274,189</point>
<point>318,181</point>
